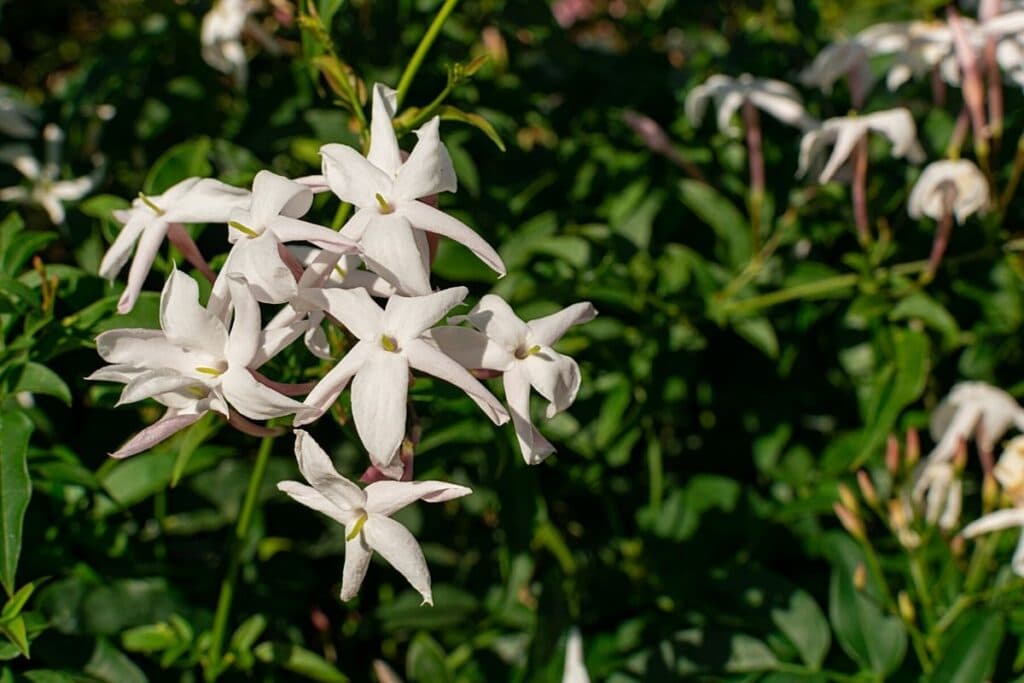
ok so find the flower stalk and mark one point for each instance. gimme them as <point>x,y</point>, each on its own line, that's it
<point>405,82</point>
<point>755,158</point>
<point>214,664</point>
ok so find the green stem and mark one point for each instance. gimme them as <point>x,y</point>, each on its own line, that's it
<point>227,586</point>
<point>919,576</point>
<point>982,555</point>
<point>421,51</point>
<point>426,112</point>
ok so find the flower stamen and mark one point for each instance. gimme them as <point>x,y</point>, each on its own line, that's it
<point>243,228</point>
<point>356,528</point>
<point>209,371</point>
<point>384,206</point>
<point>149,202</point>
<point>389,343</point>
<point>522,353</point>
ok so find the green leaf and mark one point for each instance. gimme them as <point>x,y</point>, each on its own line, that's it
<point>15,491</point>
<point>150,638</point>
<point>17,634</point>
<point>729,225</point>
<point>747,653</point>
<point>804,624</point>
<point>425,662</point>
<point>184,160</point>
<point>194,437</point>
<point>245,636</point>
<point>17,602</point>
<point>874,640</point>
<point>897,384</point>
<point>450,113</point>
<point>300,661</point>
<point>760,333</point>
<point>110,665</point>
<point>38,379</point>
<point>969,655</point>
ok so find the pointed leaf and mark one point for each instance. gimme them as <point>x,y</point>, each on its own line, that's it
<point>15,491</point>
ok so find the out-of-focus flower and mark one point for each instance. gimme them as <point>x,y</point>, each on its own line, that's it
<point>390,343</point>
<point>148,221</point>
<point>575,670</point>
<point>192,364</point>
<point>973,409</point>
<point>844,132</point>
<point>221,36</point>
<point>568,12</point>
<point>390,218</point>
<point>44,188</point>
<point>948,185</point>
<point>366,516</point>
<point>944,498</point>
<point>779,99</point>
<point>522,352</point>
<point>1009,472</point>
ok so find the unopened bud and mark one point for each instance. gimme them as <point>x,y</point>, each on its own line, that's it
<point>848,500</point>
<point>850,522</point>
<point>860,577</point>
<point>897,515</point>
<point>912,450</point>
<point>990,493</point>
<point>907,610</point>
<point>958,546</point>
<point>867,488</point>
<point>892,455</point>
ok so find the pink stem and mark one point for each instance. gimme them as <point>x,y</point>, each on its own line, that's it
<point>179,237</point>
<point>942,235</point>
<point>247,426</point>
<point>938,87</point>
<point>970,77</point>
<point>859,191</point>
<point>956,140</point>
<point>289,259</point>
<point>286,388</point>
<point>755,159</point>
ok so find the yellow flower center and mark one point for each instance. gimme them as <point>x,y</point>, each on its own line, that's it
<point>149,202</point>
<point>243,228</point>
<point>384,206</point>
<point>357,527</point>
<point>522,353</point>
<point>389,343</point>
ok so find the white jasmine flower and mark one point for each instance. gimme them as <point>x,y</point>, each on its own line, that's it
<point>366,516</point>
<point>844,132</point>
<point>916,47</point>
<point>848,58</point>
<point>522,352</point>
<point>1009,472</point>
<point>221,37</point>
<point>390,221</point>
<point>965,183</point>
<point>944,498</point>
<point>575,670</point>
<point>259,231</point>
<point>147,222</point>
<point>973,409</point>
<point>45,189</point>
<point>389,345</point>
<point>779,99</point>
<point>192,364</point>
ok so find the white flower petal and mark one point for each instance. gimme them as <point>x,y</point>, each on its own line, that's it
<point>384,152</point>
<point>426,217</point>
<point>357,561</point>
<point>327,390</point>
<point>575,670</point>
<point>184,321</point>
<point>353,308</point>
<point>555,376</point>
<point>407,317</point>
<point>379,393</point>
<point>352,178</point>
<point>394,543</point>
<point>153,383</point>
<point>167,426</point>
<point>995,521</point>
<point>426,358</point>
<point>258,260</point>
<point>145,253</point>
<point>428,170</point>
<point>471,349</point>
<point>495,318</point>
<point>388,497</point>
<point>316,467</point>
<point>548,330</point>
<point>532,444</point>
<point>398,253</point>
<point>253,399</point>
<point>313,499</point>
<point>274,195</point>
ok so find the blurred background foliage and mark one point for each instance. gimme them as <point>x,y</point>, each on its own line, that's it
<point>685,524</point>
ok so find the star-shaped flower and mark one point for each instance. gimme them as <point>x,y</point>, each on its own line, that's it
<point>147,222</point>
<point>522,352</point>
<point>366,516</point>
<point>779,99</point>
<point>192,364</point>
<point>44,188</point>
<point>844,132</point>
<point>955,186</point>
<point>390,219</point>
<point>390,343</point>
